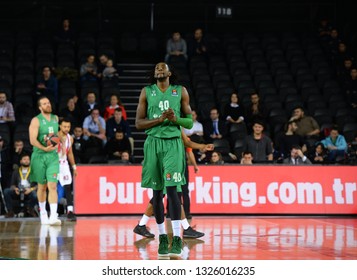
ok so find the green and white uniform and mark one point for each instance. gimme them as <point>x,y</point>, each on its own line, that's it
<point>45,165</point>
<point>164,161</point>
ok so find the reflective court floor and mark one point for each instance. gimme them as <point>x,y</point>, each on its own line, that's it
<point>226,238</point>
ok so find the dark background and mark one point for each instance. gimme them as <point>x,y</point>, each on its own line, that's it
<point>120,16</point>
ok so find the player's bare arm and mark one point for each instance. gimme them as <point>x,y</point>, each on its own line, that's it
<point>70,157</point>
<point>141,122</point>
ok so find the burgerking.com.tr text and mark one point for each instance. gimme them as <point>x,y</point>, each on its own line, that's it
<point>246,194</point>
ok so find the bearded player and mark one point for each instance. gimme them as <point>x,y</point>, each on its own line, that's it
<point>44,160</point>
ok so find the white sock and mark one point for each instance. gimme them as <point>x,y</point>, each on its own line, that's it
<point>161,228</point>
<point>42,207</point>
<point>69,208</point>
<point>185,224</point>
<point>144,220</point>
<point>53,208</point>
<point>176,227</point>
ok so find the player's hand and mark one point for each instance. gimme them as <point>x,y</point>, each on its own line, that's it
<point>208,147</point>
<point>50,148</point>
<point>196,169</point>
<point>75,173</point>
<point>170,114</point>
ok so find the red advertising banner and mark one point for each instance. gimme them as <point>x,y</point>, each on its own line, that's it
<point>225,190</point>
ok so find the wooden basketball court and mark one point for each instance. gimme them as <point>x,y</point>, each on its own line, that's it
<point>226,238</point>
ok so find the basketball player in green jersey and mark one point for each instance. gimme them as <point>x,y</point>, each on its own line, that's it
<point>44,160</point>
<point>160,106</point>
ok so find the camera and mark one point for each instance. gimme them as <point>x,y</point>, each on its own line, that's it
<point>22,195</point>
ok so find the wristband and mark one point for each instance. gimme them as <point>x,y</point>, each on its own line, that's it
<point>74,167</point>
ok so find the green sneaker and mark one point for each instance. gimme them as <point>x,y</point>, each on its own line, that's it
<point>176,248</point>
<point>163,246</point>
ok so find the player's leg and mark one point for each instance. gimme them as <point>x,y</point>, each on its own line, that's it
<point>51,176</point>
<point>38,174</point>
<point>141,228</point>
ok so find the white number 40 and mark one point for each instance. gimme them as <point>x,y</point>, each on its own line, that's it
<point>164,105</point>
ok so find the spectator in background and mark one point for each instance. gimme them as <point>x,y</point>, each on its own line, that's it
<point>18,151</point>
<point>289,139</point>
<point>297,157</point>
<point>319,155</point>
<point>7,114</point>
<point>89,70</point>
<point>324,29</point>
<point>65,35</point>
<point>89,104</point>
<point>176,47</point>
<point>216,158</point>
<point>125,158</point>
<point>233,111</point>
<point>214,128</point>
<point>196,132</point>
<point>115,103</point>
<point>259,144</point>
<point>79,145</point>
<point>336,145</point>
<point>307,126</point>
<point>72,113</point>
<point>103,60</point>
<point>256,110</point>
<point>110,72</point>
<point>22,189</point>
<point>94,129</point>
<point>5,164</point>
<point>351,91</point>
<point>116,145</point>
<point>47,85</point>
<point>198,46</point>
<point>117,123</point>
<point>247,158</point>
<point>344,71</point>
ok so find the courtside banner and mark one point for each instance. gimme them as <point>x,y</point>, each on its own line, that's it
<point>225,189</point>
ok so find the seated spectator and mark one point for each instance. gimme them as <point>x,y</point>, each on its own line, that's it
<point>289,139</point>
<point>336,145</point>
<point>233,111</point>
<point>5,166</point>
<point>65,35</point>
<point>216,158</point>
<point>319,156</point>
<point>116,123</point>
<point>47,85</point>
<point>351,91</point>
<point>22,189</point>
<point>7,114</point>
<point>214,128</point>
<point>324,29</point>
<point>125,157</point>
<point>247,158</point>
<point>89,104</point>
<point>259,144</point>
<point>256,110</point>
<point>307,126</point>
<point>110,72</point>
<point>17,153</point>
<point>344,71</point>
<point>94,129</point>
<point>103,59</point>
<point>115,103</point>
<point>71,113</point>
<point>116,145</point>
<point>88,70</point>
<point>296,157</point>
<point>79,145</point>
<point>176,46</point>
<point>198,46</point>
<point>196,132</point>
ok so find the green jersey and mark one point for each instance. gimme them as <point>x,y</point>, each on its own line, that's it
<point>158,102</point>
<point>46,128</point>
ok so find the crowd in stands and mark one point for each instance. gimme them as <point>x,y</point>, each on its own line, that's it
<point>258,96</point>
